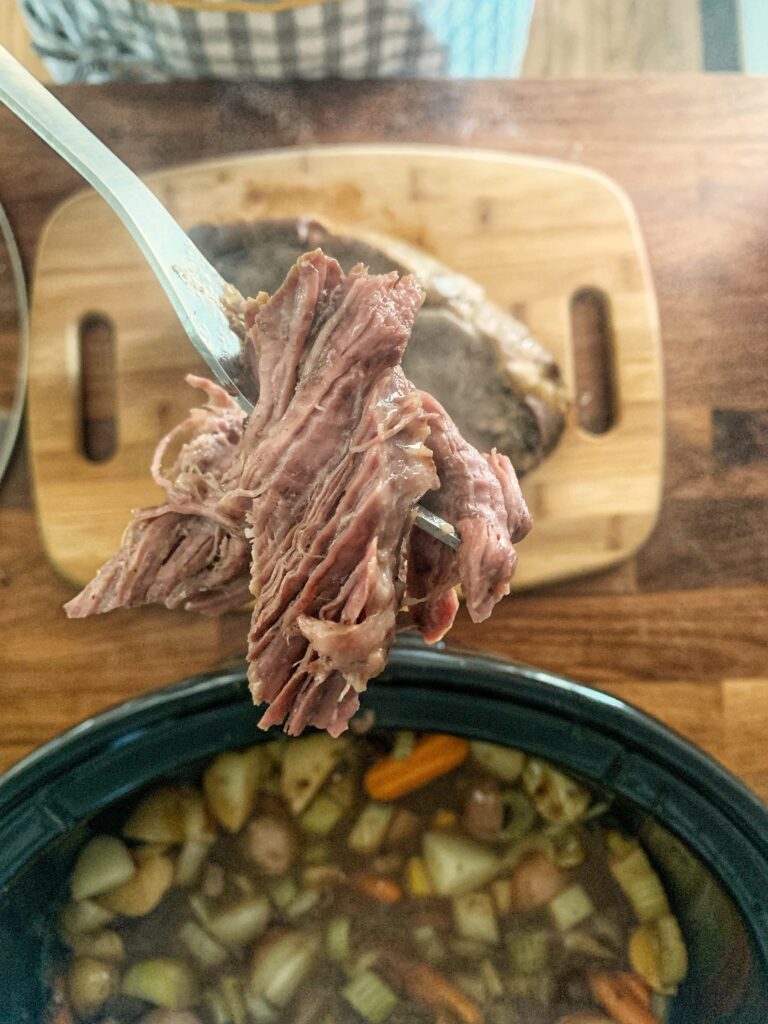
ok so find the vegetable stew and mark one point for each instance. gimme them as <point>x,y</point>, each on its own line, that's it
<point>392,877</point>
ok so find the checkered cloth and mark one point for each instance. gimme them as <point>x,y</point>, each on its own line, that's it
<point>157,40</point>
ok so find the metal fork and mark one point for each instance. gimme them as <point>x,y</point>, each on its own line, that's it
<point>197,291</point>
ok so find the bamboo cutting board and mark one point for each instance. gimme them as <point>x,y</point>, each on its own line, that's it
<point>532,232</point>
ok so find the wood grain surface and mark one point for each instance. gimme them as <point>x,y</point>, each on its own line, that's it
<point>681,629</point>
<point>534,233</point>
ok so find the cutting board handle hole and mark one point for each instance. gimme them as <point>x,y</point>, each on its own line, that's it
<point>594,371</point>
<point>98,420</point>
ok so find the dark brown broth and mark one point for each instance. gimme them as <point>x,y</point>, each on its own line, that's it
<point>388,931</point>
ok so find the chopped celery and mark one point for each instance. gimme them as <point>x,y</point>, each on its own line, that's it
<point>588,945</point>
<point>244,884</point>
<point>556,796</point>
<point>232,991</point>
<point>203,948</point>
<point>302,904</point>
<point>474,917</point>
<point>570,907</point>
<point>503,762</point>
<point>529,950</point>
<point>416,878</point>
<point>521,815</point>
<point>473,986</point>
<point>199,907</point>
<point>405,740</point>
<point>190,862</point>
<point>639,882</point>
<point>430,944</point>
<point>322,815</point>
<point>283,891</point>
<point>457,865</point>
<point>367,959</point>
<point>317,851</point>
<point>471,949</point>
<point>217,1006</point>
<point>259,1010</point>
<point>369,830</point>
<point>493,982</point>
<point>568,849</point>
<point>337,938</point>
<point>369,996</point>
<point>539,987</point>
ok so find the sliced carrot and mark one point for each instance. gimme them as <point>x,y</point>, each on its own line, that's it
<point>433,991</point>
<point>379,888</point>
<point>432,757</point>
<point>621,998</point>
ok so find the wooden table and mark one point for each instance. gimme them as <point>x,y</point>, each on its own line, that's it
<point>681,630</point>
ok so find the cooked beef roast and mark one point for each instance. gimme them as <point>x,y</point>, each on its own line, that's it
<point>307,505</point>
<point>500,386</point>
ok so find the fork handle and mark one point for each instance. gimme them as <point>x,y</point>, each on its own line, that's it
<point>137,206</point>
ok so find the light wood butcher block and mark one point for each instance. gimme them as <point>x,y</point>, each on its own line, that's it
<point>532,232</point>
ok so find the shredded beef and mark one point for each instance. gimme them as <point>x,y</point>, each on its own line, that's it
<point>307,505</point>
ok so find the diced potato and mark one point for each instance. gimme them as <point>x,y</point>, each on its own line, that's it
<point>190,862</point>
<point>200,944</point>
<point>170,814</point>
<point>658,954</point>
<point>307,763</point>
<point>241,923</point>
<point>90,983</point>
<point>144,890</point>
<point>103,864</point>
<point>556,796</point>
<point>162,981</point>
<point>280,963</point>
<point>417,879</point>
<point>80,916</point>
<point>457,865</point>
<point>369,830</point>
<point>474,918</point>
<point>106,945</point>
<point>231,782</point>
<point>343,787</point>
<point>503,762</point>
<point>570,907</point>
